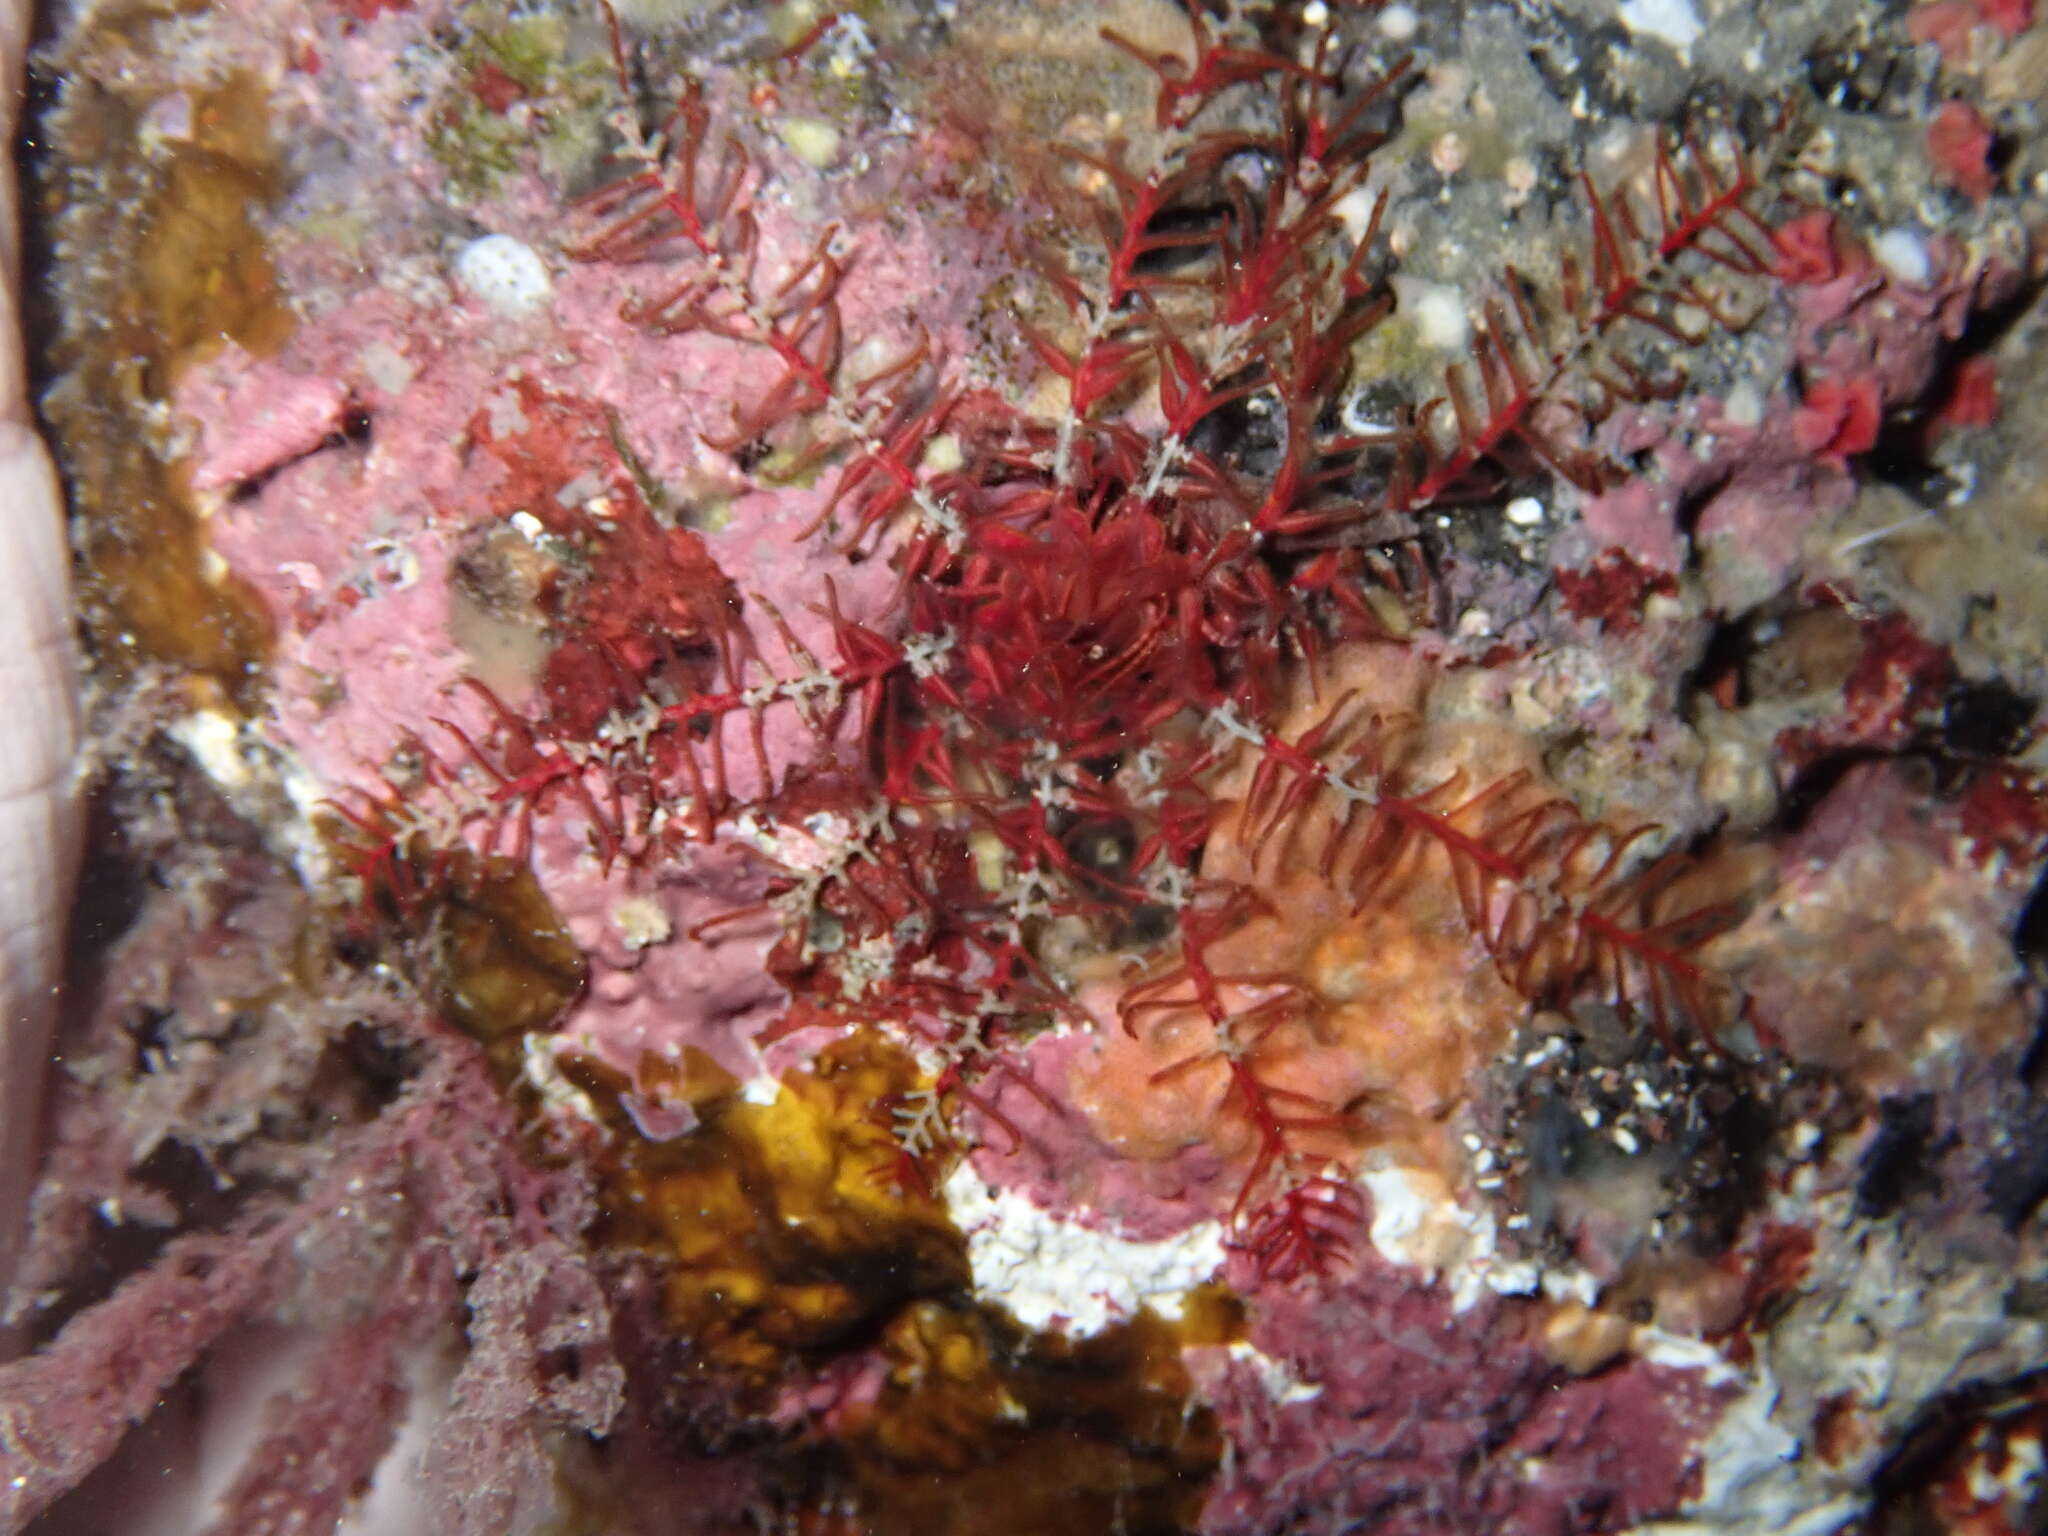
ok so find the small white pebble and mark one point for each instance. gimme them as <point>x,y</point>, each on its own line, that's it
<point>1662,608</point>
<point>1399,23</point>
<point>1519,176</point>
<point>167,119</point>
<point>812,140</point>
<point>1744,406</point>
<point>1669,21</point>
<point>1436,310</point>
<point>1625,1139</point>
<point>1354,211</point>
<point>1473,623</point>
<point>1449,154</point>
<point>642,922</point>
<point>1315,14</point>
<point>506,274</point>
<point>1525,511</point>
<point>1904,254</point>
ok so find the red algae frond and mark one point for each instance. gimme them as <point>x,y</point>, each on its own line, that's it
<point>1072,697</point>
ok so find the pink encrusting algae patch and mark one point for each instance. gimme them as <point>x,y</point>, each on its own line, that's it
<point>353,533</point>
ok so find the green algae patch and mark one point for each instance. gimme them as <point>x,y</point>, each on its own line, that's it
<point>530,97</point>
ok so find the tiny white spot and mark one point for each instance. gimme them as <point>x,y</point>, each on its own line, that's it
<point>1436,310</point>
<point>1669,21</point>
<point>641,922</point>
<point>506,274</point>
<point>812,140</point>
<point>1399,23</point>
<point>1904,254</point>
<point>1473,623</point>
<point>1354,210</point>
<point>1525,511</point>
<point>214,741</point>
<point>1744,406</point>
<point>1282,1386</point>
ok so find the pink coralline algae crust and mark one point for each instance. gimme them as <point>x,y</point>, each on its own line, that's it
<point>643,1000</point>
<point>1862,986</point>
<point>1066,1168</point>
<point>1866,323</point>
<point>267,417</point>
<point>1426,1420</point>
<point>1870,343</point>
<point>473,418</point>
<point>1948,23</point>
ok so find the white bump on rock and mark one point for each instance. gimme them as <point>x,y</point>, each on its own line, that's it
<point>506,274</point>
<point>1436,310</point>
<point>1904,254</point>
<point>1744,406</point>
<point>1399,23</point>
<point>812,140</point>
<point>1669,21</point>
